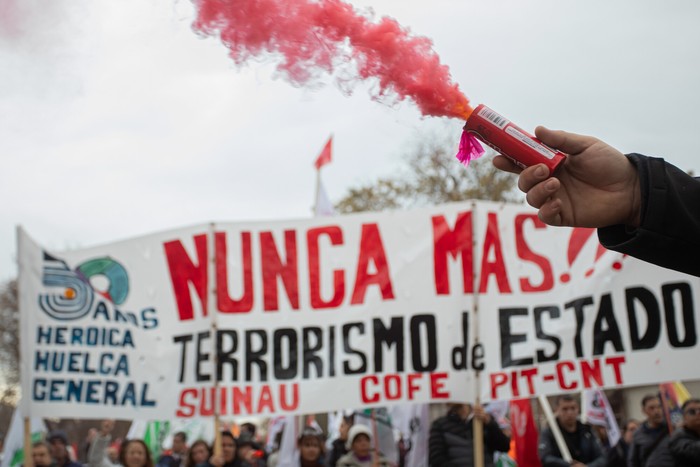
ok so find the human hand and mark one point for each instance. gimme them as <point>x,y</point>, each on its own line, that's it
<point>596,186</point>
<point>217,460</point>
<point>481,414</point>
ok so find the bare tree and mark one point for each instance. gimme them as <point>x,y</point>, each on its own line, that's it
<point>9,340</point>
<point>432,175</point>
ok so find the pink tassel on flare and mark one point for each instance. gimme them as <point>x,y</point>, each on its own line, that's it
<point>469,148</point>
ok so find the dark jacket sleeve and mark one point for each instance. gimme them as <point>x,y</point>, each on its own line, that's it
<point>549,453</point>
<point>684,449</point>
<point>335,454</point>
<point>633,453</point>
<point>669,233</point>
<point>437,449</point>
<point>596,453</point>
<point>494,437</point>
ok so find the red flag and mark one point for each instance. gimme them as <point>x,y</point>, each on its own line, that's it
<point>524,433</point>
<point>325,156</point>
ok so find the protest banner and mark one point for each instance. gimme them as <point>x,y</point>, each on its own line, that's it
<point>568,315</point>
<point>365,310</point>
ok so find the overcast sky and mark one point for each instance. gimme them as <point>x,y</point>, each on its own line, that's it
<point>116,120</point>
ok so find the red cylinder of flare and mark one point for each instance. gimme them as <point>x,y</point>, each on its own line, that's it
<point>510,140</point>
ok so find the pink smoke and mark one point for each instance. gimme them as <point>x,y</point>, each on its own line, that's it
<point>9,19</point>
<point>312,37</point>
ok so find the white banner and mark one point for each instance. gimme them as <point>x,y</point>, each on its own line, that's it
<point>567,315</point>
<point>352,311</point>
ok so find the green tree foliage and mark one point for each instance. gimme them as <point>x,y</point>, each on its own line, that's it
<point>432,175</point>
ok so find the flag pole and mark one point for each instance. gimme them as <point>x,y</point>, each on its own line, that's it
<point>24,402</point>
<point>211,311</point>
<point>666,407</point>
<point>375,435</point>
<point>477,424</point>
<point>28,460</point>
<point>318,188</point>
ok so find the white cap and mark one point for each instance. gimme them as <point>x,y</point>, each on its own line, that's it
<point>355,430</point>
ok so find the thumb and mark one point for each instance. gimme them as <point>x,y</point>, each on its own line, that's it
<point>570,143</point>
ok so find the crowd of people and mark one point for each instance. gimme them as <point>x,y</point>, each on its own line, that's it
<point>353,448</point>
<point>649,443</point>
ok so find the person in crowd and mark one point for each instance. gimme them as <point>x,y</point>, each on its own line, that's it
<point>249,429</point>
<point>178,452</point>
<point>685,442</point>
<point>58,440</point>
<point>642,206</point>
<point>132,453</point>
<point>41,454</point>
<point>601,433</point>
<point>580,440</point>
<point>98,451</point>
<point>229,454</point>
<point>650,442</point>
<point>338,447</point>
<point>311,449</point>
<point>249,453</point>
<point>361,452</point>
<point>617,456</point>
<point>198,454</point>
<point>85,445</point>
<point>451,441</point>
<point>113,453</point>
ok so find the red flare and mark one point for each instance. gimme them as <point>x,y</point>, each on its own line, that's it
<point>313,37</point>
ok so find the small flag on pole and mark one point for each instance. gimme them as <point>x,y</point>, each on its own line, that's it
<point>599,412</point>
<point>673,396</point>
<point>322,204</point>
<point>325,156</point>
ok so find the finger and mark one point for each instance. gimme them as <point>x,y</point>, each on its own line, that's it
<point>542,192</point>
<point>532,176</point>
<point>570,143</point>
<point>505,164</point>
<point>550,212</point>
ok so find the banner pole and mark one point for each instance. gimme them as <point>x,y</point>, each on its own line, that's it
<point>24,403</point>
<point>477,424</point>
<point>211,311</point>
<point>28,459</point>
<point>554,426</point>
<point>666,407</point>
<point>318,188</point>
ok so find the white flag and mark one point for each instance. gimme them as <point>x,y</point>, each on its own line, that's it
<point>288,453</point>
<point>323,206</point>
<point>599,412</point>
<point>275,426</point>
<point>412,420</point>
